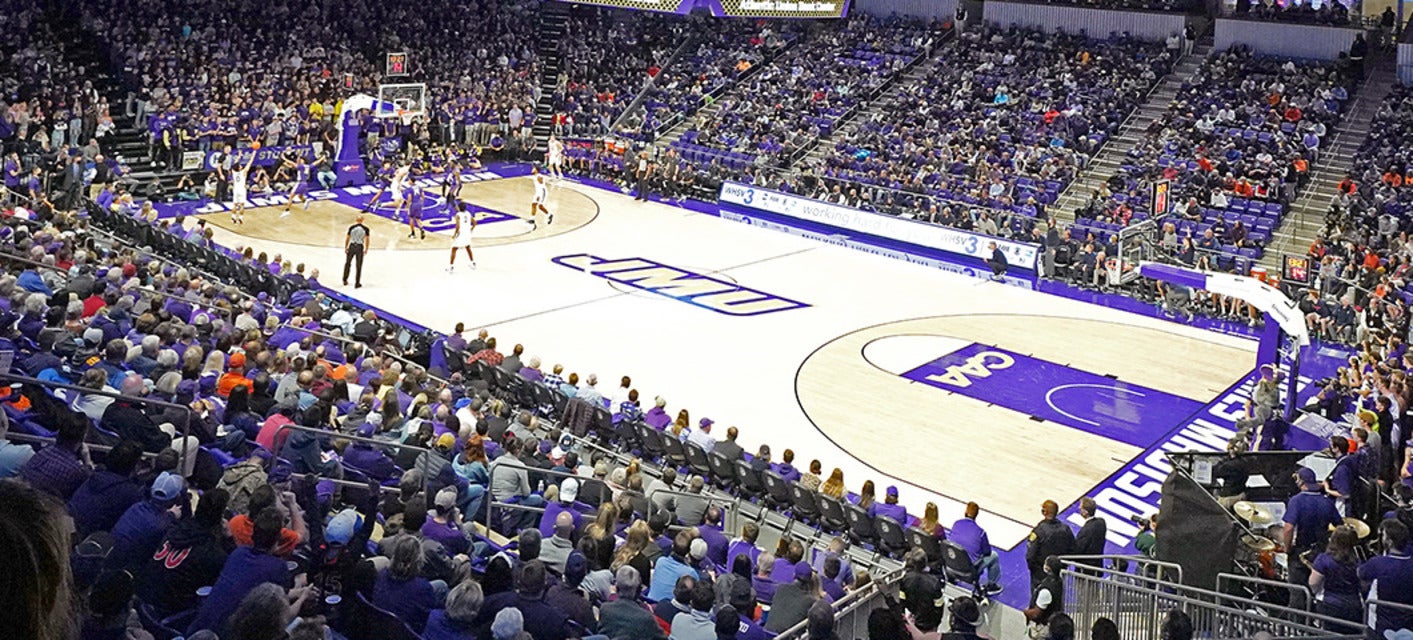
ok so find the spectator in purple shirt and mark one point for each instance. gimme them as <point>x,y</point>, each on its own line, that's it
<point>103,498</point>
<point>761,582</point>
<point>532,371</point>
<point>746,544</point>
<point>972,538</point>
<point>657,417</point>
<point>62,467</point>
<point>246,568</point>
<point>891,508</point>
<point>401,589</point>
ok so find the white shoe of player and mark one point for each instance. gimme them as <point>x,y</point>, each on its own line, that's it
<point>473,265</point>
<point>451,269</point>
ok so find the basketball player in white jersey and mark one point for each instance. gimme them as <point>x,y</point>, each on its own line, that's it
<point>541,198</point>
<point>461,237</point>
<point>401,183</point>
<point>239,177</point>
<point>556,158</point>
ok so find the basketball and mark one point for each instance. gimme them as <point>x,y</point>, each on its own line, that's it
<point>255,146</point>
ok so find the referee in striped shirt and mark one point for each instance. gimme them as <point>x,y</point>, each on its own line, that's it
<point>355,246</point>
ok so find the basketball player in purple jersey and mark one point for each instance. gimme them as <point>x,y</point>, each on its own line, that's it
<point>414,212</point>
<point>303,173</point>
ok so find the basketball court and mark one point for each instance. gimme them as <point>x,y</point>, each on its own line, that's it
<point>953,388</point>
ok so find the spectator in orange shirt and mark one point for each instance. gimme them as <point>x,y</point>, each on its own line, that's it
<point>1348,186</point>
<point>234,376</point>
<point>242,526</point>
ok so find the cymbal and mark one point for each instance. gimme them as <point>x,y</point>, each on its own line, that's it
<point>1252,512</point>
<point>1257,543</point>
<point>1361,528</point>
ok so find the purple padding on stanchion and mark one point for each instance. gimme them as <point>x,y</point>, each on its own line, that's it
<point>1090,402</point>
<point>1176,275</point>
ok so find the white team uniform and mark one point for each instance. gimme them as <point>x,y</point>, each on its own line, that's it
<point>541,190</point>
<point>463,233</point>
<point>238,186</point>
<point>399,183</point>
<point>556,153</point>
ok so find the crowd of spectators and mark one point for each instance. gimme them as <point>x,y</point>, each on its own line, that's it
<point>1327,12</point>
<point>1360,263</point>
<point>783,109</point>
<point>1236,145</point>
<point>49,102</point>
<point>1004,120</point>
<point>606,58</point>
<point>197,451</point>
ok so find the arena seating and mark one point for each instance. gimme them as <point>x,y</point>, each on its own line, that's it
<point>136,311</point>
<point>780,111</point>
<point>609,55</point>
<point>1004,120</point>
<point>1237,144</point>
<point>1328,13</point>
<point>721,54</point>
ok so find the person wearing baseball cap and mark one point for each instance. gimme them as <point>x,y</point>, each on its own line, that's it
<point>139,532</point>
<point>568,493</point>
<point>439,457</point>
<point>234,376</point>
<point>891,508</point>
<point>792,601</point>
<point>702,436</point>
<point>1309,515</point>
<point>367,457</point>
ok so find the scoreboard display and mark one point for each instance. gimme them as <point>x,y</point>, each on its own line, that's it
<point>735,8</point>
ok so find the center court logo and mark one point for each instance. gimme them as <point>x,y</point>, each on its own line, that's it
<point>978,366</point>
<point>721,296</point>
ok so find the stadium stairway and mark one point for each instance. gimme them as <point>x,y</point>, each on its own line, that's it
<point>688,44</point>
<point>690,120</point>
<point>1112,155</point>
<point>1306,218</point>
<point>819,153</point>
<point>554,24</point>
<point>128,143</point>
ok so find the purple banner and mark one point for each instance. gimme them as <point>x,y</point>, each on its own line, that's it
<point>1090,402</point>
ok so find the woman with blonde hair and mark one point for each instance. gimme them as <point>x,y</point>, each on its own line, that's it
<point>834,486</point>
<point>631,553</point>
<point>929,521</point>
<point>215,364</point>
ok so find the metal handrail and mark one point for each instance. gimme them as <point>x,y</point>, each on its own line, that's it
<point>1216,614</point>
<point>322,334</point>
<point>1222,579</point>
<point>428,373</point>
<point>491,501</point>
<point>734,510</point>
<point>1142,561</point>
<point>187,411</point>
<point>281,442</point>
<point>848,604</point>
<point>1371,608</point>
<point>147,290</point>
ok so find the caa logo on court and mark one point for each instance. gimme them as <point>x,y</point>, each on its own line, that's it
<point>721,296</point>
<point>979,366</point>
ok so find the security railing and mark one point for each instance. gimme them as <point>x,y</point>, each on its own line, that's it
<point>281,439</point>
<point>853,610</point>
<point>10,379</point>
<point>1137,603</point>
